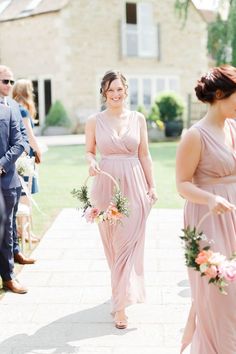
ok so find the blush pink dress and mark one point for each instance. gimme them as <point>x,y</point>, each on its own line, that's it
<point>123,243</point>
<point>215,331</point>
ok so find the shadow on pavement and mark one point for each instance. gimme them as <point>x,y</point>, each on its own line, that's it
<point>57,335</point>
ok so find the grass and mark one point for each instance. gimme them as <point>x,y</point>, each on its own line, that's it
<point>64,168</point>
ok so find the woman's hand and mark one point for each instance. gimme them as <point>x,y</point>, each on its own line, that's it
<point>94,168</point>
<point>152,195</point>
<point>220,205</point>
<point>38,157</point>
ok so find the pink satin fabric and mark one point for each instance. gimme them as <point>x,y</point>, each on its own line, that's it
<point>123,243</point>
<point>215,331</point>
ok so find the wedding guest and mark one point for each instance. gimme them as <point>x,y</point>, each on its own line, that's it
<point>5,91</point>
<point>2,215</point>
<point>120,135</point>
<point>23,94</point>
<point>206,178</point>
<point>12,146</point>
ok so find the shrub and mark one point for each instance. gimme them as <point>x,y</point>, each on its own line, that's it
<point>142,110</point>
<point>171,106</point>
<point>57,116</point>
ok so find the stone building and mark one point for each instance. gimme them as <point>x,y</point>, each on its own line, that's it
<point>65,46</point>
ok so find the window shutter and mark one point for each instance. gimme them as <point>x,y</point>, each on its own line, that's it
<point>147,35</point>
<point>123,41</point>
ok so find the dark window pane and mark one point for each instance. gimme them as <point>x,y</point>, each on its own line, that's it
<point>131,13</point>
<point>47,95</point>
<point>36,100</point>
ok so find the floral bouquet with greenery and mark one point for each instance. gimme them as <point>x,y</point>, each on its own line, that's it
<point>117,209</point>
<point>219,270</point>
<point>25,166</point>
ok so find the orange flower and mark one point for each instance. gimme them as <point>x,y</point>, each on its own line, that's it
<point>203,257</point>
<point>113,213</point>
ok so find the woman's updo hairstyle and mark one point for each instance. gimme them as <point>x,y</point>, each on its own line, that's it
<point>218,83</point>
<point>107,79</point>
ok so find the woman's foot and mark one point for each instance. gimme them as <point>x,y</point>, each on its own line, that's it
<point>120,319</point>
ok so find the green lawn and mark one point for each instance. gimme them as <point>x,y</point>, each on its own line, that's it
<point>64,168</point>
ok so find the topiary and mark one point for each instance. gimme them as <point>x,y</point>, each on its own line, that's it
<point>57,116</point>
<point>171,106</point>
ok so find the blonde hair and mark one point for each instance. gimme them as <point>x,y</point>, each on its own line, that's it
<point>23,92</point>
<point>5,70</point>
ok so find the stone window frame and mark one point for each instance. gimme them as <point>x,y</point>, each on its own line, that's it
<point>171,84</point>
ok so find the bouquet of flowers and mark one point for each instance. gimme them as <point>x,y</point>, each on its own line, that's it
<point>25,166</point>
<point>219,270</point>
<point>117,209</point>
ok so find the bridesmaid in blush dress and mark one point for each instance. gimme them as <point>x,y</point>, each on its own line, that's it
<point>120,136</point>
<point>206,177</point>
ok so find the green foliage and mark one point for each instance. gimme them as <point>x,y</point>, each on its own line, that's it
<point>154,114</point>
<point>57,116</point>
<point>221,33</point>
<point>142,110</point>
<point>181,8</point>
<point>82,195</point>
<point>219,41</point>
<point>121,203</point>
<point>191,240</point>
<point>170,105</point>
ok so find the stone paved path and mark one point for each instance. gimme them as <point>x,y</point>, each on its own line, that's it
<point>67,307</point>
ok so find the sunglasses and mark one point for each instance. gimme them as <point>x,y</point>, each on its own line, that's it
<point>6,82</point>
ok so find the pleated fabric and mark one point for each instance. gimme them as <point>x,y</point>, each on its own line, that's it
<point>123,243</point>
<point>216,316</point>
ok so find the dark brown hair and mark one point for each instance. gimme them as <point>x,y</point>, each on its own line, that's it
<point>221,79</point>
<point>107,79</point>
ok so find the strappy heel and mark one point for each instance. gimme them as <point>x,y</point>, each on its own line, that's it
<point>121,324</point>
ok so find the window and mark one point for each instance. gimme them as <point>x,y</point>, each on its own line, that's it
<point>43,98</point>
<point>4,5</point>
<point>36,100</point>
<point>30,7</point>
<point>147,92</point>
<point>139,33</point>
<point>131,13</point>
<point>143,90</point>
<point>47,95</point>
<point>133,93</point>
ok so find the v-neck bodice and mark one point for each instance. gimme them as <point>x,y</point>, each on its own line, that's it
<point>109,142</point>
<point>217,159</point>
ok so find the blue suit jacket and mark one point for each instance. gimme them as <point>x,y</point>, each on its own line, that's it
<point>11,147</point>
<point>17,114</point>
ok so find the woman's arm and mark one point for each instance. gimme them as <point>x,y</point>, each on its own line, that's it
<point>187,160</point>
<point>31,137</point>
<point>145,158</point>
<point>91,146</point>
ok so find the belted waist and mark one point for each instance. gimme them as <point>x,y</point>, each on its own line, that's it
<point>231,179</point>
<point>119,157</point>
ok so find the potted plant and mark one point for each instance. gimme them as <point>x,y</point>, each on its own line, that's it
<point>57,121</point>
<point>171,108</point>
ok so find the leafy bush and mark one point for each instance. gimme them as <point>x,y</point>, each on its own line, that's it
<point>142,110</point>
<point>57,116</point>
<point>171,106</point>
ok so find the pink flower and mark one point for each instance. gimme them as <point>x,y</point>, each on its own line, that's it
<point>228,270</point>
<point>112,213</point>
<point>216,259</point>
<point>211,271</point>
<point>90,214</point>
<point>203,257</point>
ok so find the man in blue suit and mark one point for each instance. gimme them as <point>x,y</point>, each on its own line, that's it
<point>5,89</point>
<point>2,216</point>
<point>12,146</point>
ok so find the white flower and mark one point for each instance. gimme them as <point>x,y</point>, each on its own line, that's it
<point>25,166</point>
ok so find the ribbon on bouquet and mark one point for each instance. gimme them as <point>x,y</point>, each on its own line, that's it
<point>28,194</point>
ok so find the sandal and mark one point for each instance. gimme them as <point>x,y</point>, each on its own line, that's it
<point>121,324</point>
